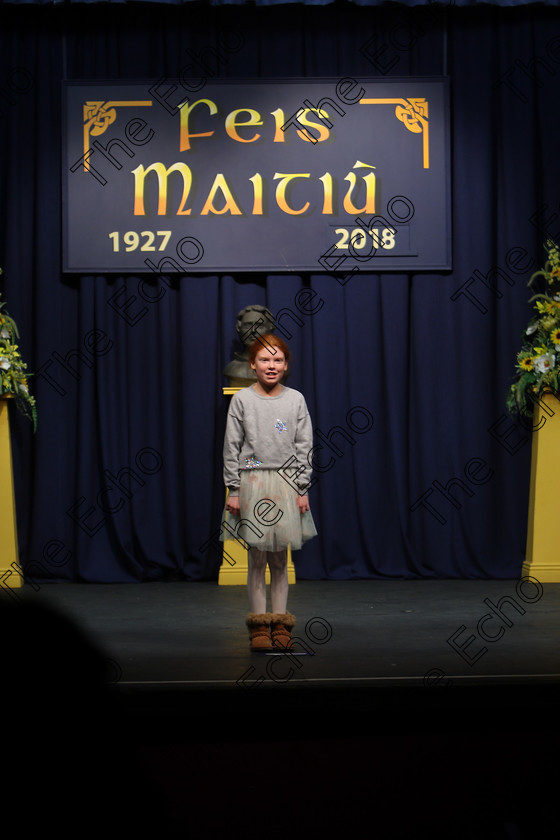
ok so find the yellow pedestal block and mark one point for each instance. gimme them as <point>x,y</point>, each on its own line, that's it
<point>233,570</point>
<point>543,546</point>
<point>10,570</point>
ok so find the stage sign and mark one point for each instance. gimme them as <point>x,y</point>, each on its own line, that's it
<point>316,175</point>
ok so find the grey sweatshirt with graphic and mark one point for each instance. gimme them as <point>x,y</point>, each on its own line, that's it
<point>268,433</point>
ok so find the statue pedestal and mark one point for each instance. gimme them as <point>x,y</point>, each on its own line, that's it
<point>10,570</point>
<point>233,570</point>
<point>542,560</point>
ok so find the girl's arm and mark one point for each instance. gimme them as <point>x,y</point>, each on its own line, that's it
<point>232,504</point>
<point>303,445</point>
<point>233,441</point>
<point>303,503</point>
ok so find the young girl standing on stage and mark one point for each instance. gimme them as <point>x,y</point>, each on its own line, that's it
<point>268,439</point>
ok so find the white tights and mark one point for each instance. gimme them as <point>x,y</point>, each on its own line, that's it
<point>256,583</point>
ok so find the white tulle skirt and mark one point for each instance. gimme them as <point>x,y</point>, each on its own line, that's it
<point>270,519</point>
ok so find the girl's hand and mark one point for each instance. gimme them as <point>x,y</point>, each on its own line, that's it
<point>303,503</point>
<point>232,505</point>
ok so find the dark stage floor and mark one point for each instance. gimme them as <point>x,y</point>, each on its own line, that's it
<point>379,724</point>
<point>438,636</point>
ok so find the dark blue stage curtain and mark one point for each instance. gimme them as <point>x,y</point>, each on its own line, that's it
<point>122,481</point>
<point>408,3</point>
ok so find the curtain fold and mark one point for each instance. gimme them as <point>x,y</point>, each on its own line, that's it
<point>405,373</point>
<point>218,3</point>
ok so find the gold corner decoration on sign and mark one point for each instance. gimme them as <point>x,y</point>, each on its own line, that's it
<point>413,113</point>
<point>99,115</point>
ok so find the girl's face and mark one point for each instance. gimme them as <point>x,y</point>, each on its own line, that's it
<point>270,367</point>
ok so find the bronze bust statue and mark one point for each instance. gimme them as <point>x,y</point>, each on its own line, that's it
<point>251,321</point>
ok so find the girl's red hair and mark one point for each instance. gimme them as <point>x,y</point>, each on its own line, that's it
<point>265,341</point>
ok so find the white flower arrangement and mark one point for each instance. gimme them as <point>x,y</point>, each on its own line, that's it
<point>538,361</point>
<point>13,376</point>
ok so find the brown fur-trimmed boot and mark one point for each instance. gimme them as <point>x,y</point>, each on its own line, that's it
<point>259,631</point>
<point>281,625</point>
